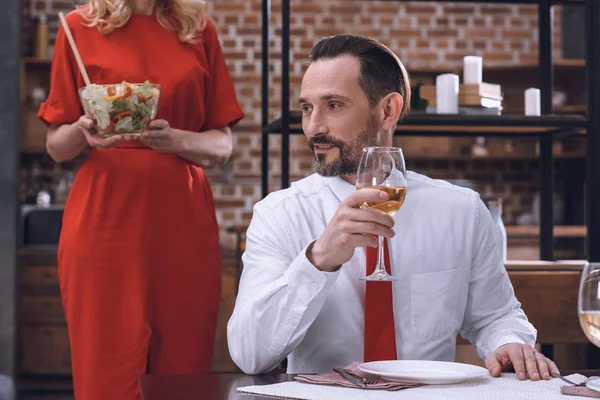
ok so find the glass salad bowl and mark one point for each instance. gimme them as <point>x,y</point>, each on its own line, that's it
<point>121,109</point>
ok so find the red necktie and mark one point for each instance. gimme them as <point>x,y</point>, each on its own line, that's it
<point>380,335</point>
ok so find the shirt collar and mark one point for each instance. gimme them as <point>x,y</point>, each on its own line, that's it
<point>340,187</point>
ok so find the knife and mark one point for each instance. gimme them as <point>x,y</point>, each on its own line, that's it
<point>350,378</point>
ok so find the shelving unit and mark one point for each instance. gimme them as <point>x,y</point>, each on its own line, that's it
<point>546,128</point>
<point>34,72</point>
<point>420,124</point>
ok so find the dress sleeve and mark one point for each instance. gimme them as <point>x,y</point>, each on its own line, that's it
<point>63,104</point>
<point>222,107</point>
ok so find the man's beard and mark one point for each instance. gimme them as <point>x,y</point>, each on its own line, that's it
<point>349,153</point>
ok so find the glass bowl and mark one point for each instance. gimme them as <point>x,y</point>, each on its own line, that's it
<point>121,109</point>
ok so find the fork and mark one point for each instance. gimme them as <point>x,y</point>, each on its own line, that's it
<point>568,381</point>
<point>368,380</point>
<point>350,377</point>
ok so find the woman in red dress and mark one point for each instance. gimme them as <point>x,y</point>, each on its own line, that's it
<point>139,261</point>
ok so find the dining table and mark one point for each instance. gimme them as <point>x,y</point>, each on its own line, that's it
<point>222,386</point>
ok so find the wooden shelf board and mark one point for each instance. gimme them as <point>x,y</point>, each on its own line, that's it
<point>570,109</point>
<point>434,157</point>
<point>519,265</point>
<point>418,123</point>
<point>465,128</point>
<point>566,231</point>
<point>511,230</point>
<point>562,63</point>
<point>570,63</point>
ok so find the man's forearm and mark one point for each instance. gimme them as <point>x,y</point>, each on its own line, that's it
<point>267,326</point>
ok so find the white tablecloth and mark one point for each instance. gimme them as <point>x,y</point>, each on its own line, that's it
<point>506,387</point>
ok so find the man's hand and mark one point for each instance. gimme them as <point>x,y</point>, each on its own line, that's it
<point>351,227</point>
<point>526,360</point>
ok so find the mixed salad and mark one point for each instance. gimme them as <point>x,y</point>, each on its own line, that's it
<point>125,108</point>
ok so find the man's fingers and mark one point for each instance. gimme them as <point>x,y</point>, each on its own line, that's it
<point>358,198</point>
<point>358,240</point>
<point>493,365</point>
<point>531,363</point>
<point>549,364</point>
<point>553,368</point>
<point>372,215</point>
<point>367,215</point>
<point>542,364</point>
<point>517,359</point>
<point>370,228</point>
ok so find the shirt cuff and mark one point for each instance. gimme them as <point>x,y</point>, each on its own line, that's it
<point>503,339</point>
<point>306,280</point>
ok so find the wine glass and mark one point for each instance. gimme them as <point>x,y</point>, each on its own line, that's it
<point>589,302</point>
<point>382,168</point>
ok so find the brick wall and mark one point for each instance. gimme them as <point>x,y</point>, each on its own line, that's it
<point>423,34</point>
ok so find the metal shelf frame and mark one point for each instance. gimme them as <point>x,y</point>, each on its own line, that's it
<point>549,126</point>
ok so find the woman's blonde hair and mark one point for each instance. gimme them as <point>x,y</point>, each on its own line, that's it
<point>186,17</point>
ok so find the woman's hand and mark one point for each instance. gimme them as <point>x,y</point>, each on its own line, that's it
<point>161,137</point>
<point>87,126</point>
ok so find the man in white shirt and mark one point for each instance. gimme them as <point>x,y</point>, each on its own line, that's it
<point>300,294</point>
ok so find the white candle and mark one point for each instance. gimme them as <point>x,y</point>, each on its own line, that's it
<point>472,70</point>
<point>533,105</point>
<point>446,93</point>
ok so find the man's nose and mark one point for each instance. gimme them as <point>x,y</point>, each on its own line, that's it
<point>315,125</point>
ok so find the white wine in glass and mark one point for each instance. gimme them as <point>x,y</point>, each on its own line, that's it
<point>589,302</point>
<point>394,202</point>
<point>383,168</point>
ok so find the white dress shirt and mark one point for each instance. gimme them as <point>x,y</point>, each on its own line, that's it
<point>452,281</point>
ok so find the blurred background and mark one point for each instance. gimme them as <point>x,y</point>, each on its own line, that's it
<point>430,37</point>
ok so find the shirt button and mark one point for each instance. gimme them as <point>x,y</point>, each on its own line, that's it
<point>315,286</point>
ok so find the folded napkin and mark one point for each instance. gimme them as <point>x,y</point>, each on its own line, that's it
<point>581,390</point>
<point>334,378</point>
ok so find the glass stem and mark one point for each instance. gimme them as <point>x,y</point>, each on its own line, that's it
<point>380,257</point>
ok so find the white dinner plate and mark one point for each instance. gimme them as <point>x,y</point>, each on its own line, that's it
<point>422,371</point>
<point>594,385</point>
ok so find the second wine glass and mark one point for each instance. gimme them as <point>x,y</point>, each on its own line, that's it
<point>589,302</point>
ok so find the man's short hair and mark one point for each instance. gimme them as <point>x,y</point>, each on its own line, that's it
<point>381,71</point>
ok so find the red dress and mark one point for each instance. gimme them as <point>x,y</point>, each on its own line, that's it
<point>138,259</point>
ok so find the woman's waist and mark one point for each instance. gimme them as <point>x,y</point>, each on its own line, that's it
<point>131,159</point>
<point>134,144</point>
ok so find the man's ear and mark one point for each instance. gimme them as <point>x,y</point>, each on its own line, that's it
<point>391,109</point>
